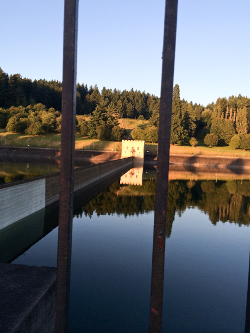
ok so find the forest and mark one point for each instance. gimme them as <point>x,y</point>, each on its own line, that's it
<point>34,108</point>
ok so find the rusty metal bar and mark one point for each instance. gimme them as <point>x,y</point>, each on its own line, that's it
<point>161,194</point>
<point>67,164</point>
<point>247,320</point>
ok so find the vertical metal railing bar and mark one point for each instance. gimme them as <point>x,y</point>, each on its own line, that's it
<point>247,320</point>
<point>161,194</point>
<point>67,164</point>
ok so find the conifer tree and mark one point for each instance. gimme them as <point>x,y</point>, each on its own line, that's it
<point>102,117</point>
<point>241,121</point>
<point>4,78</point>
<point>177,129</point>
<point>188,118</point>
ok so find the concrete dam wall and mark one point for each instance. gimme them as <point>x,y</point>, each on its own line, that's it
<point>22,198</point>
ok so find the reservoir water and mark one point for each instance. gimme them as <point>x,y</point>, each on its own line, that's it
<point>206,257</point>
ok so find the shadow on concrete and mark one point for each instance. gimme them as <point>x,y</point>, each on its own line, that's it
<point>189,164</point>
<point>195,164</point>
<point>237,166</point>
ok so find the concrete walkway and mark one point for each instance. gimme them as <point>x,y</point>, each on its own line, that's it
<point>27,299</point>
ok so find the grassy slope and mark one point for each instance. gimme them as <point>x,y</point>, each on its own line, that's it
<point>206,151</point>
<point>54,141</point>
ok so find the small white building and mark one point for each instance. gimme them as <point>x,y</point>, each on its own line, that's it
<point>133,148</point>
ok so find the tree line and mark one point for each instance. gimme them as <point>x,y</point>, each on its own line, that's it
<point>226,122</point>
<point>24,103</point>
<point>39,120</point>
<point>34,107</point>
<point>17,91</point>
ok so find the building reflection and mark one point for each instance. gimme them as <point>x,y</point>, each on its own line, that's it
<point>133,176</point>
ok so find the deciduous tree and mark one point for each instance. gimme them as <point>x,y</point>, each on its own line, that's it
<point>211,140</point>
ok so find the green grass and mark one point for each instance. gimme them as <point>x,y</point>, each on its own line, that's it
<point>200,150</point>
<point>54,141</point>
<point>94,144</point>
<point>130,124</point>
<point>206,151</point>
<point>18,140</point>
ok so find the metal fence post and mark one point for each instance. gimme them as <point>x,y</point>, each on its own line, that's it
<point>67,164</point>
<point>161,194</point>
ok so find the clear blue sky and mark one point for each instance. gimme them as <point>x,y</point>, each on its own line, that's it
<point>120,44</point>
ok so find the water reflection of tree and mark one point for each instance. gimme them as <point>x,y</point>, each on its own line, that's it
<point>136,200</point>
<point>221,201</point>
<point>229,201</point>
<point>178,199</point>
<point>14,178</point>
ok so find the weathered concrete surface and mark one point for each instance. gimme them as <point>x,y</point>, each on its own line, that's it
<point>16,201</point>
<point>30,153</point>
<point>27,299</point>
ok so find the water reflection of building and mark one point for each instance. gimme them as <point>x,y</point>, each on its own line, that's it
<point>133,176</point>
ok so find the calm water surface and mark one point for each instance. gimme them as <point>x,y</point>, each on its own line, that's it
<point>206,260</point>
<point>11,171</point>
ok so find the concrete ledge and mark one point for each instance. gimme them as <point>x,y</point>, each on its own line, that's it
<point>204,161</point>
<point>30,153</point>
<point>27,298</point>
